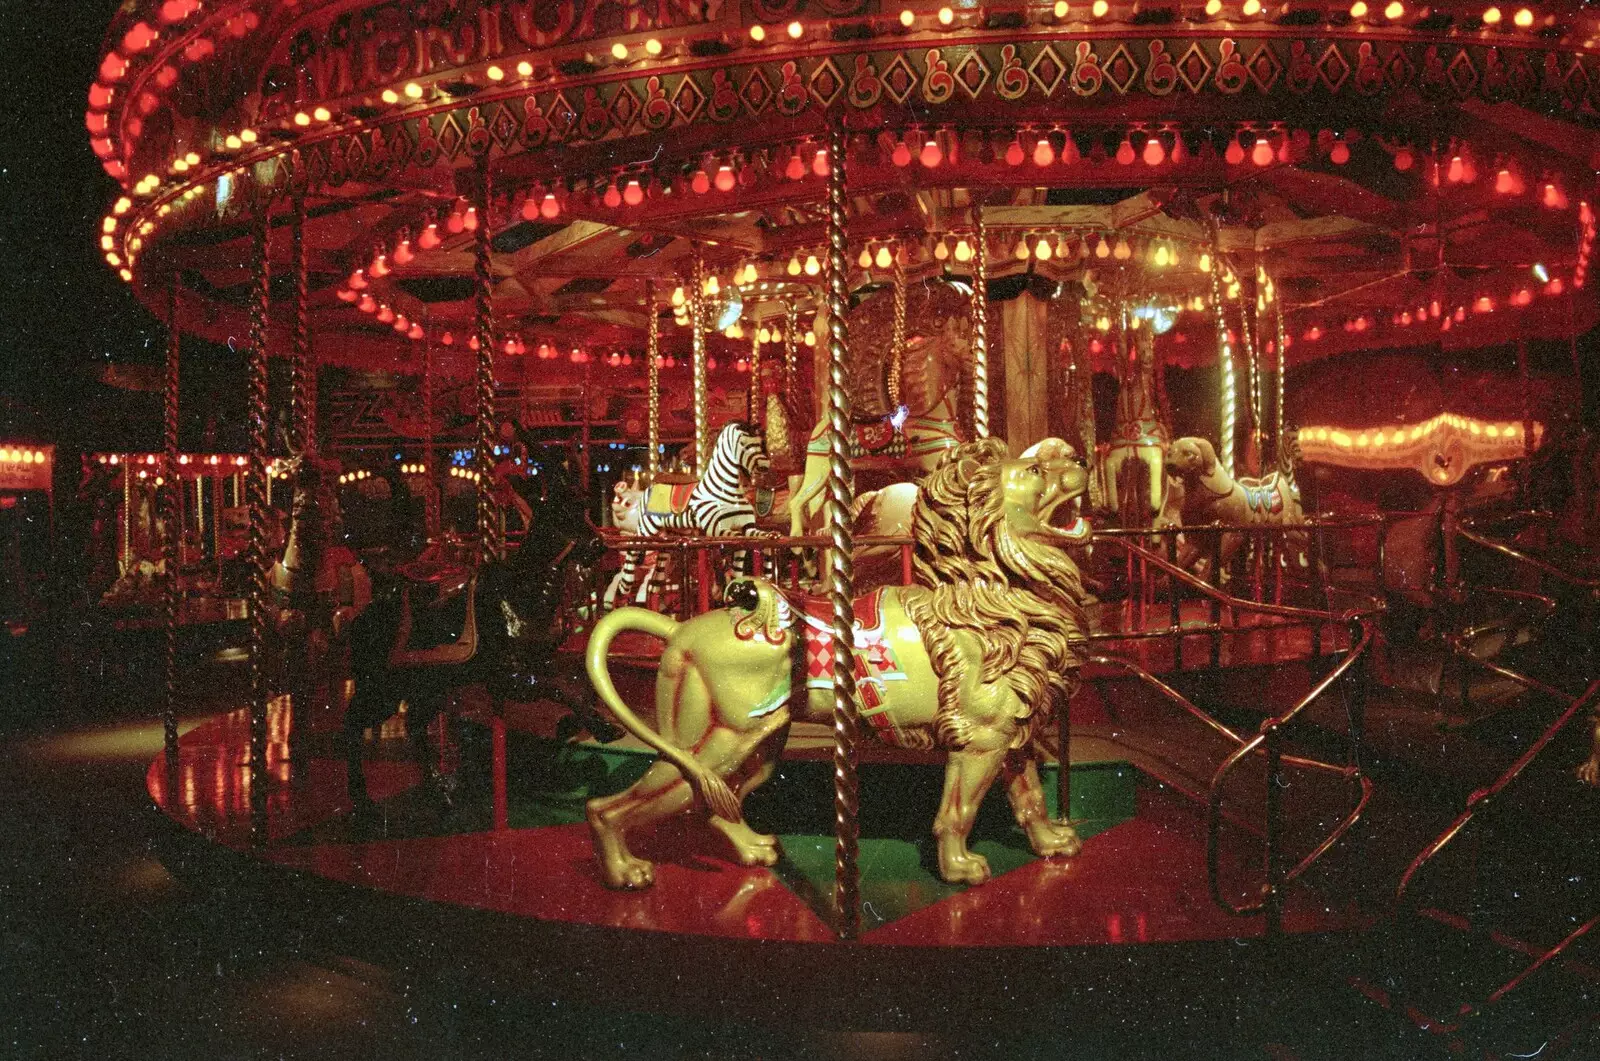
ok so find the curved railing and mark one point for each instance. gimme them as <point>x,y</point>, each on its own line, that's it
<point>1468,530</point>
<point>1482,798</point>
<point>1267,741</point>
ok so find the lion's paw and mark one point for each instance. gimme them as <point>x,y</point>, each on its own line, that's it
<point>1589,772</point>
<point>632,874</point>
<point>1054,838</point>
<point>970,868</point>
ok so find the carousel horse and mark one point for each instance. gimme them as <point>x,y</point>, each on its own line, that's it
<point>715,505</point>
<point>1211,495</point>
<point>319,583</point>
<point>971,660</point>
<point>434,631</point>
<point>911,439</point>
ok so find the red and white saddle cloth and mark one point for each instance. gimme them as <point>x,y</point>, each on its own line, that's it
<point>875,662</point>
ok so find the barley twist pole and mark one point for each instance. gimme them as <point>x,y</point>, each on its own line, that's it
<point>697,324</point>
<point>980,329</point>
<point>483,325</point>
<point>171,513</point>
<point>836,518</point>
<point>256,501</point>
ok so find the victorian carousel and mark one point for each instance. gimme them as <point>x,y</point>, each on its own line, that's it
<point>703,455</point>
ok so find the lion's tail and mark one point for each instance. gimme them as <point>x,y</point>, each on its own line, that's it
<point>711,789</point>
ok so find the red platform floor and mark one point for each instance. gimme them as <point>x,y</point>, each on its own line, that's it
<point>1142,881</point>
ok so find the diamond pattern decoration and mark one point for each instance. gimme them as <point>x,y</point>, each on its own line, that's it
<point>826,84</point>
<point>1397,69</point>
<point>1264,67</point>
<point>900,79</point>
<point>1047,70</point>
<point>972,73</point>
<point>401,146</point>
<point>355,155</point>
<point>1333,68</point>
<point>757,92</point>
<point>1194,68</point>
<point>688,101</point>
<point>503,127</point>
<point>1577,84</point>
<point>1120,69</point>
<point>624,108</point>
<point>449,136</point>
<point>562,116</point>
<point>1462,74</point>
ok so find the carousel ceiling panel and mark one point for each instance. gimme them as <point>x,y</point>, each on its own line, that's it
<point>523,234</point>
<point>432,290</point>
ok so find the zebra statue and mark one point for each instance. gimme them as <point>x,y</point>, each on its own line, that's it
<point>713,506</point>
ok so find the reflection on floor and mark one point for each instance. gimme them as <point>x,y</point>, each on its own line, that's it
<point>1140,878</point>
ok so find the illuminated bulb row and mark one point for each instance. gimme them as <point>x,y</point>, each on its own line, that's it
<point>12,455</point>
<point>811,266</point>
<point>883,258</point>
<point>352,477</point>
<point>417,468</point>
<point>464,473</point>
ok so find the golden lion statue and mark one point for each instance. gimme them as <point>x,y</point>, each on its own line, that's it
<point>969,660</point>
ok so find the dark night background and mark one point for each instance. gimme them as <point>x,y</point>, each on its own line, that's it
<point>64,315</point>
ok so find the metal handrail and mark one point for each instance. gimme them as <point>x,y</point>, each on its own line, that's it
<point>1479,799</point>
<point>1466,530</point>
<point>1271,902</point>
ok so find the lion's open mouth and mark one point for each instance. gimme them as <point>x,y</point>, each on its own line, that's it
<point>1065,521</point>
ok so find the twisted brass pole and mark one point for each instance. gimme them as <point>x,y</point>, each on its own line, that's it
<point>170,513</point>
<point>1224,357</point>
<point>791,346</point>
<point>430,472</point>
<point>697,324</point>
<point>836,519</point>
<point>483,323</point>
<point>980,328</point>
<point>1277,405</point>
<point>256,500</point>
<point>652,462</point>
<point>897,342</point>
<point>1252,359</point>
<point>302,389</point>
<point>755,373</point>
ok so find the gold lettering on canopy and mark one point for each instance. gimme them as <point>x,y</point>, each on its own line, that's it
<point>359,47</point>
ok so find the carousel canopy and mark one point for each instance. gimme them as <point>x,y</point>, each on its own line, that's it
<point>1365,176</point>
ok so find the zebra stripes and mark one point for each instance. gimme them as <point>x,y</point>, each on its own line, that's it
<point>717,507</point>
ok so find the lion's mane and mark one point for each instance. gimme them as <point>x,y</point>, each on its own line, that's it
<point>1022,599</point>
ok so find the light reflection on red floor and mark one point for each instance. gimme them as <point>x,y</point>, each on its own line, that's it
<point>1142,881</point>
